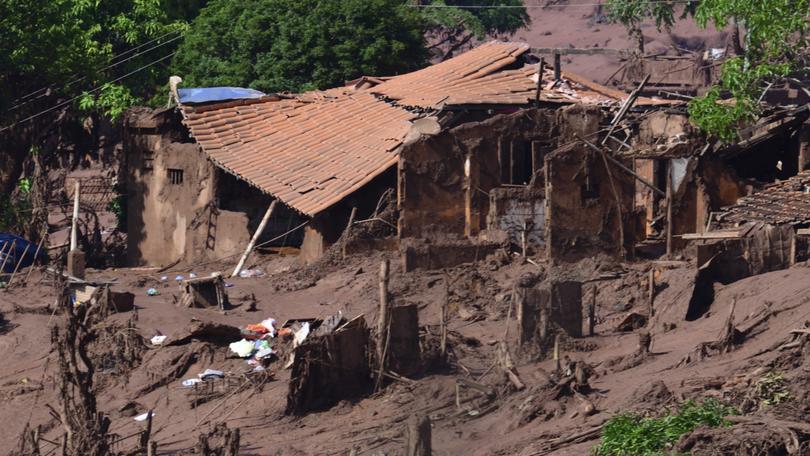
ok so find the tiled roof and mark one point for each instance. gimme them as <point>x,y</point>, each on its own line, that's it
<point>785,202</point>
<point>311,150</point>
<point>310,155</point>
<point>487,75</point>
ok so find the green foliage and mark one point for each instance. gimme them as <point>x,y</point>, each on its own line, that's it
<point>476,21</point>
<point>66,44</point>
<point>295,45</point>
<point>774,33</point>
<point>629,434</point>
<point>631,13</point>
<point>14,212</point>
<point>112,100</point>
<point>771,389</point>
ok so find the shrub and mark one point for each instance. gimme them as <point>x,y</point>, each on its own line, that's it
<point>629,434</point>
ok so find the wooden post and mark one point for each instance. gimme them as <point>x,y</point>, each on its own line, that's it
<point>19,262</point>
<point>508,366</point>
<point>74,235</point>
<point>382,322</point>
<point>348,230</point>
<point>36,433</point>
<point>592,312</point>
<point>543,325</point>
<point>36,255</point>
<point>557,66</point>
<point>8,254</point>
<point>523,240</point>
<point>443,340</point>
<point>540,69</point>
<point>644,342</point>
<point>557,353</point>
<point>256,235</point>
<point>151,450</point>
<point>669,211</point>
<point>419,436</point>
<point>145,436</point>
<point>651,292</point>
<point>3,252</point>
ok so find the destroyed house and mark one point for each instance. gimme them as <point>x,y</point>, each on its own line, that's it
<point>470,148</point>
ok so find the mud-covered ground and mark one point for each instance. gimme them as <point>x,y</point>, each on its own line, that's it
<point>527,422</point>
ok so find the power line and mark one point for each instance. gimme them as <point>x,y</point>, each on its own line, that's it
<point>653,2</point>
<point>96,89</point>
<point>43,89</point>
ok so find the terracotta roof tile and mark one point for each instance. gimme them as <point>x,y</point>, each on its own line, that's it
<point>785,202</point>
<point>311,150</point>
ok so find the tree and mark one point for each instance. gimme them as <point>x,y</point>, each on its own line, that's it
<point>53,52</point>
<point>631,13</point>
<point>774,41</point>
<point>296,45</point>
<point>452,26</point>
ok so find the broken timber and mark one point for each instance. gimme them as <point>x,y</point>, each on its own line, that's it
<point>252,242</point>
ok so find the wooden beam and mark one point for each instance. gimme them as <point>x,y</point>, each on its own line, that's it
<point>628,103</point>
<point>580,51</point>
<point>74,240</point>
<point>624,168</point>
<point>540,69</point>
<point>669,211</point>
<point>252,242</point>
<point>712,235</point>
<point>557,66</point>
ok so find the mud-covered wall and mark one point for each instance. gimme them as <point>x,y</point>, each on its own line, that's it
<point>516,210</point>
<point>170,187</point>
<point>441,191</point>
<point>582,216</point>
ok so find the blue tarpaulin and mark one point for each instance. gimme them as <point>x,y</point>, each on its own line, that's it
<point>211,94</point>
<point>16,254</point>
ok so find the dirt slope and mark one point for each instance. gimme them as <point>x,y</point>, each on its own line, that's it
<point>378,422</point>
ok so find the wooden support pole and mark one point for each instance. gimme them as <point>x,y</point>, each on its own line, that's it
<point>419,436</point>
<point>3,253</point>
<point>36,255</point>
<point>348,231</point>
<point>146,434</point>
<point>592,312</point>
<point>557,66</point>
<point>523,240</point>
<point>669,212</point>
<point>651,291</point>
<point>619,216</point>
<point>19,262</point>
<point>508,366</point>
<point>74,235</point>
<point>382,322</point>
<point>8,254</point>
<point>252,242</point>
<point>443,336</point>
<point>540,69</point>
<point>151,450</point>
<point>557,353</point>
<point>624,168</point>
<point>628,103</point>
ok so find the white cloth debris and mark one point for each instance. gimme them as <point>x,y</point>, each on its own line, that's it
<point>158,340</point>
<point>143,416</point>
<point>243,348</point>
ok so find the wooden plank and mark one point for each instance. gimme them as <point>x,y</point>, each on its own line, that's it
<point>580,51</point>
<point>712,235</point>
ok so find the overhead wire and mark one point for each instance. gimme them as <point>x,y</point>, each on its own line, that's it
<point>96,89</point>
<point>562,5</point>
<point>128,51</point>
